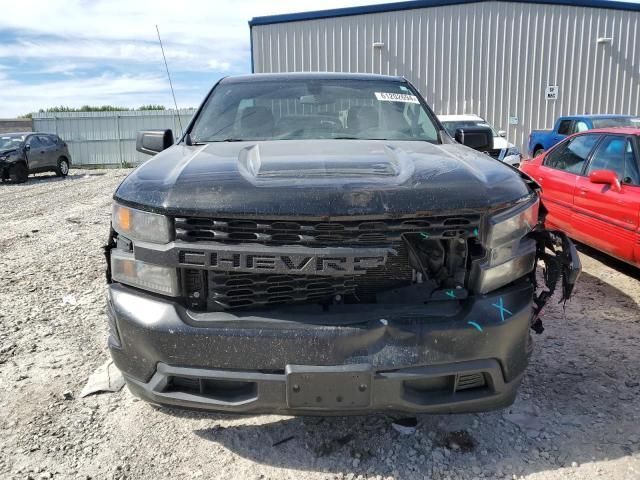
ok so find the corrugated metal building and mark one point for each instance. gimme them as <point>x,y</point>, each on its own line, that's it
<point>108,139</point>
<point>500,59</point>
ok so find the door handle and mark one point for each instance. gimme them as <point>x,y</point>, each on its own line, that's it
<point>583,191</point>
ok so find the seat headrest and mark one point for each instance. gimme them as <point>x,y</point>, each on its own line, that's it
<point>256,121</point>
<point>362,118</point>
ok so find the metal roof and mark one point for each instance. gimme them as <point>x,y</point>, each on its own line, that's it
<point>414,4</point>
<point>597,116</point>
<point>623,130</point>
<point>283,77</point>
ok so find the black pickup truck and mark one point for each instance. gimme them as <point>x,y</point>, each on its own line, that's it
<point>318,244</point>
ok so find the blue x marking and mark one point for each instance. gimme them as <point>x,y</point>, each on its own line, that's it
<point>500,307</point>
<point>451,293</point>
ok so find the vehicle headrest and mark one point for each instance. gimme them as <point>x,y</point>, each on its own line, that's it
<point>362,118</point>
<point>257,119</point>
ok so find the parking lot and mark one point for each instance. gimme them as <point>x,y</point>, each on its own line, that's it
<point>576,416</point>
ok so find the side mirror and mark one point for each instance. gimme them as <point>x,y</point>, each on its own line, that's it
<point>478,138</point>
<point>154,141</point>
<point>27,147</point>
<point>606,177</point>
<point>502,133</point>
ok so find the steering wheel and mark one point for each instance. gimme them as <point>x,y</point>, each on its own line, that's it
<point>331,124</point>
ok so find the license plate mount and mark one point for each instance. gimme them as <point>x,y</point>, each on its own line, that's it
<point>329,388</point>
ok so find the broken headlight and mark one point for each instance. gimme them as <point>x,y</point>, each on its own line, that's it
<point>154,278</point>
<point>140,225</point>
<point>512,224</point>
<point>509,254</point>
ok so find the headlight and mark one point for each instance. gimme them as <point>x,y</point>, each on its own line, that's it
<point>3,158</point>
<point>154,278</point>
<point>139,225</point>
<point>510,255</point>
<point>486,277</point>
<point>512,224</point>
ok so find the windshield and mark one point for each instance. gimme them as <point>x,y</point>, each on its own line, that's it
<point>616,122</point>
<point>313,109</point>
<point>10,141</point>
<point>452,126</point>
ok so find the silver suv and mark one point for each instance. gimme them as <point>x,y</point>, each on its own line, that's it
<point>25,153</point>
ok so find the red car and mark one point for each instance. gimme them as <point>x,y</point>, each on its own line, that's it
<point>591,188</point>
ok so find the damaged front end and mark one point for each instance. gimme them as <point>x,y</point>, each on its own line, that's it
<point>413,314</point>
<point>223,265</point>
<point>561,264</point>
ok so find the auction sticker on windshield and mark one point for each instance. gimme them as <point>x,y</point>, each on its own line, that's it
<point>396,97</point>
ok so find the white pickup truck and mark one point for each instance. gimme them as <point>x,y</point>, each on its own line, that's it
<point>502,149</point>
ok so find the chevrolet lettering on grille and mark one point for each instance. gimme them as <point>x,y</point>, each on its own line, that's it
<point>295,264</point>
<point>294,260</point>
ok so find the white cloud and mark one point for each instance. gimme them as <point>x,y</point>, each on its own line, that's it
<point>189,21</point>
<point>218,65</point>
<point>64,68</point>
<point>73,39</point>
<point>123,90</point>
<point>103,50</point>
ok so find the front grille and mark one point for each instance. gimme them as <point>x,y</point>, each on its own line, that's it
<point>332,233</point>
<point>469,381</point>
<point>221,390</point>
<point>237,290</point>
<point>218,290</point>
<point>234,290</point>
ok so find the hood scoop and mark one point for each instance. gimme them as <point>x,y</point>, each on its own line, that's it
<point>324,162</point>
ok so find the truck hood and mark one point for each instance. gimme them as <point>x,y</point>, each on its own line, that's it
<point>320,178</point>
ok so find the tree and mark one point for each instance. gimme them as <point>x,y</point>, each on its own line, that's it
<point>94,108</point>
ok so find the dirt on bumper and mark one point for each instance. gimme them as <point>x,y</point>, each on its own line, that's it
<point>416,356</point>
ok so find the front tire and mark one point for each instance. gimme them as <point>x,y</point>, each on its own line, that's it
<point>18,172</point>
<point>62,170</point>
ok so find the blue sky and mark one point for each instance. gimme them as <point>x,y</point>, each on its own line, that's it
<point>77,52</point>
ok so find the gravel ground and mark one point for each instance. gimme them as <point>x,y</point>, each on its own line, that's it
<point>577,414</point>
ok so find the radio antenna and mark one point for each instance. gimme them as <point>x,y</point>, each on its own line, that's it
<point>175,103</point>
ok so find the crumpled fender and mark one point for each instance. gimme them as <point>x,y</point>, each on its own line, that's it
<point>561,263</point>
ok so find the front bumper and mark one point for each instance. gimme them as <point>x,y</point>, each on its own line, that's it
<point>448,356</point>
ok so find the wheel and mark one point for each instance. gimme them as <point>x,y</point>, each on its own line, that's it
<point>18,172</point>
<point>62,170</point>
<point>538,151</point>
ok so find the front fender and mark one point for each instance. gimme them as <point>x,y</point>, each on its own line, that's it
<point>561,263</point>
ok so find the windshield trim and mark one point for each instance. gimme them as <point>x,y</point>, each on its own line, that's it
<point>440,133</point>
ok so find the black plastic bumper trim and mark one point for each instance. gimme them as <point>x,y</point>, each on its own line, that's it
<point>388,390</point>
